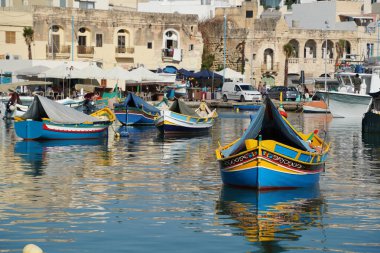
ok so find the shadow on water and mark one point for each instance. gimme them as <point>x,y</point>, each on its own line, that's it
<point>35,152</point>
<point>267,217</point>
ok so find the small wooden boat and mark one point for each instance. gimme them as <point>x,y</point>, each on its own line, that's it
<point>47,119</point>
<point>181,119</point>
<point>136,111</point>
<point>316,106</point>
<point>272,154</point>
<point>371,119</point>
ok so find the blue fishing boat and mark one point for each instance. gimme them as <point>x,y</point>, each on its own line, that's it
<point>272,154</point>
<point>181,119</point>
<point>136,111</point>
<point>47,119</point>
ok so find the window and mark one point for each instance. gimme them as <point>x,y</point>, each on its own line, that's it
<point>191,47</point>
<point>82,40</point>
<point>62,3</point>
<point>3,3</point>
<point>121,41</point>
<point>86,5</point>
<point>99,40</point>
<point>149,45</point>
<point>10,37</point>
<point>249,14</point>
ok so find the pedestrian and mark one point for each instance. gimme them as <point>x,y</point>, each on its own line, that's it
<point>357,82</point>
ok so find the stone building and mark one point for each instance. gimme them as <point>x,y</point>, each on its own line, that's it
<point>125,38</point>
<point>314,30</point>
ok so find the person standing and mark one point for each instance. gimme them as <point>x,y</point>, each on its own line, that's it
<point>357,82</point>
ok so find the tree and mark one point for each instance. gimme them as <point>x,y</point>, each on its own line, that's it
<point>288,51</point>
<point>28,34</point>
<point>339,47</point>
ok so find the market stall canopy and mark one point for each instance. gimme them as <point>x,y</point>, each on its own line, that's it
<point>32,71</point>
<point>118,73</point>
<point>62,71</point>
<point>13,86</point>
<point>146,75</point>
<point>90,72</point>
<point>230,74</point>
<point>205,74</point>
<point>185,73</point>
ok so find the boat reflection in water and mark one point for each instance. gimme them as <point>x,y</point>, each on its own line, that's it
<point>269,216</point>
<point>35,152</point>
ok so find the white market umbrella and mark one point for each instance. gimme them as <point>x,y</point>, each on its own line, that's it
<point>32,71</point>
<point>230,74</point>
<point>118,73</point>
<point>146,75</point>
<point>90,72</point>
<point>62,71</point>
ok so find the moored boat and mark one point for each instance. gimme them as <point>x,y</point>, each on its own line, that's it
<point>315,106</point>
<point>371,119</point>
<point>136,111</point>
<point>345,102</point>
<point>272,154</point>
<point>47,119</point>
<point>181,119</point>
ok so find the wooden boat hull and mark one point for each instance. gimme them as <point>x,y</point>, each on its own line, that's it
<point>267,169</point>
<point>135,116</point>
<point>371,122</point>
<point>315,107</point>
<point>171,122</point>
<point>31,130</point>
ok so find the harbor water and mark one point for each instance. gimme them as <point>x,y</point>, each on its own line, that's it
<point>143,193</point>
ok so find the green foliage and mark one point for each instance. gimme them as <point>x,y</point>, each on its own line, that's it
<point>28,34</point>
<point>207,59</point>
<point>288,50</point>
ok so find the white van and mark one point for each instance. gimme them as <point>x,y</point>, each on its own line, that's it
<point>240,91</point>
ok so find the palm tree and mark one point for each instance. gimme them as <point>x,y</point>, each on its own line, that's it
<point>339,47</point>
<point>288,51</point>
<point>28,34</point>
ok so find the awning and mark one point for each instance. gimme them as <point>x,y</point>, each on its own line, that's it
<point>13,86</point>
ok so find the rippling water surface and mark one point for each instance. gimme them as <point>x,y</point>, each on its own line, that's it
<point>145,194</point>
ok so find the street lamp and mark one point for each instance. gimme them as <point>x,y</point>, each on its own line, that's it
<point>325,53</point>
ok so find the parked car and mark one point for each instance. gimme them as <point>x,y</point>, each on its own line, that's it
<point>288,93</point>
<point>240,91</point>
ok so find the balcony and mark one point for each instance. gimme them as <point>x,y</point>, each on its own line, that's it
<point>85,51</point>
<point>171,55</point>
<point>270,68</point>
<point>124,52</point>
<point>62,52</point>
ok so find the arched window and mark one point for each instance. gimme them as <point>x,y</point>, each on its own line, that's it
<point>268,58</point>
<point>310,50</point>
<point>330,51</point>
<point>123,38</point>
<point>295,46</point>
<point>170,42</point>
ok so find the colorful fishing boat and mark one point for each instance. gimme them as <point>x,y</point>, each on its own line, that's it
<point>47,119</point>
<point>136,111</point>
<point>272,154</point>
<point>181,119</point>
